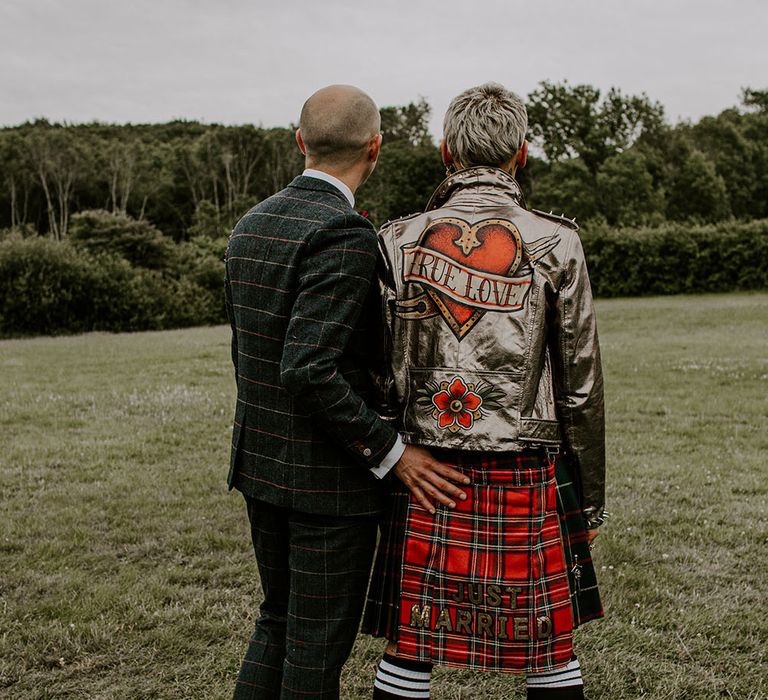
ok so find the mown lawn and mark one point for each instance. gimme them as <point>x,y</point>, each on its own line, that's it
<point>126,569</point>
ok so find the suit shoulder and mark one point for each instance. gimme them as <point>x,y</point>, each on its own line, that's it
<point>349,220</point>
<point>301,211</point>
<point>562,220</point>
<point>349,231</point>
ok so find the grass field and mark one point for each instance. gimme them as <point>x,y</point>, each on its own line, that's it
<point>126,569</point>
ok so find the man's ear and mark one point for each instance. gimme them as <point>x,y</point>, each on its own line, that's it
<point>300,141</point>
<point>446,154</point>
<point>374,147</point>
<point>522,155</point>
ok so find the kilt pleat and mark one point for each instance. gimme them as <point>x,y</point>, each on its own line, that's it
<point>582,579</point>
<point>382,606</point>
<point>485,585</point>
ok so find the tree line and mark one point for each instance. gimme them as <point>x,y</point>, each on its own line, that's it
<point>610,157</point>
<point>124,227</point>
<point>614,158</point>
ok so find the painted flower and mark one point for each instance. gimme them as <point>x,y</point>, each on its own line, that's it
<point>456,405</point>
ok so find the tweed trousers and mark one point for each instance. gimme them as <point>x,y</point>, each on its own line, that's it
<point>314,573</point>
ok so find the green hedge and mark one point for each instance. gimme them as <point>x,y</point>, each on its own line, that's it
<point>677,258</point>
<point>139,242</point>
<point>48,287</point>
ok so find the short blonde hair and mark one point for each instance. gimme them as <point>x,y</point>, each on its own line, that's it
<point>485,125</point>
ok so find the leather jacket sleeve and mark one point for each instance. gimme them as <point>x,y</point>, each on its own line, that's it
<point>383,374</point>
<point>578,381</point>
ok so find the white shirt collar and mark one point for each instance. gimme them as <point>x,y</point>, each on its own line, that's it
<point>330,179</point>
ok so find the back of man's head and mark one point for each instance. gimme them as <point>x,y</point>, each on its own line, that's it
<point>485,125</point>
<point>337,123</point>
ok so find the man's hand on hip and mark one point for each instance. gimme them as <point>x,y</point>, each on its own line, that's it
<point>427,478</point>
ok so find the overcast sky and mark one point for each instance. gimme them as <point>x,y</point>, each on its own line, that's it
<point>238,61</point>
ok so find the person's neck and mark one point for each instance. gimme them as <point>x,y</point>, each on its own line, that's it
<point>351,177</point>
<point>510,167</point>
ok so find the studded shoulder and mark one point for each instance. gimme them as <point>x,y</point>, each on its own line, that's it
<point>393,222</point>
<point>561,219</point>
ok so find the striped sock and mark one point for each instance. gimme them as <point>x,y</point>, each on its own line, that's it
<point>562,683</point>
<point>401,678</point>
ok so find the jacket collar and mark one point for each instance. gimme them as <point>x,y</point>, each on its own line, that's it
<point>304,182</point>
<point>479,176</point>
<point>338,184</point>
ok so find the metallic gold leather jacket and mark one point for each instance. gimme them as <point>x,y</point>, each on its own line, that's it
<point>493,341</point>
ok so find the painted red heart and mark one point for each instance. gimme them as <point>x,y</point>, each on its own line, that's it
<point>495,248</point>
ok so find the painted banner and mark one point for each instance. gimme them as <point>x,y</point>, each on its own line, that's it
<point>464,284</point>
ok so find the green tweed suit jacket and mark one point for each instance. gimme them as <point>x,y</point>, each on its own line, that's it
<point>304,314</point>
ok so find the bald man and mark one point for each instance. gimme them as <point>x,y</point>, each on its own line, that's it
<point>308,452</point>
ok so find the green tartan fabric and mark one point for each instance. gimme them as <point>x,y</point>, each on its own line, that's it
<point>305,330</point>
<point>585,596</point>
<point>313,571</point>
<point>304,316</point>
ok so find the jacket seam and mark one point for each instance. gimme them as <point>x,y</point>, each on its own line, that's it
<point>565,349</point>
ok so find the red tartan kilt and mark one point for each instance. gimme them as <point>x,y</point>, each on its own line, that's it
<point>485,586</point>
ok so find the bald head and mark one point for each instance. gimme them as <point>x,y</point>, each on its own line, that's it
<point>337,124</point>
